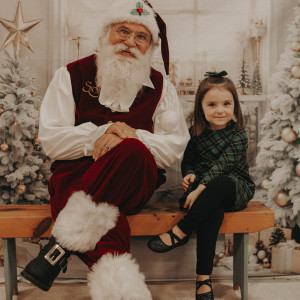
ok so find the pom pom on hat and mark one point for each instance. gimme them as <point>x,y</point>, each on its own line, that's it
<point>140,12</point>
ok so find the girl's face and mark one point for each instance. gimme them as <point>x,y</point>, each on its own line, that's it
<point>218,107</point>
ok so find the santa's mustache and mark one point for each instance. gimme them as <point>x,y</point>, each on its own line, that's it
<point>124,48</point>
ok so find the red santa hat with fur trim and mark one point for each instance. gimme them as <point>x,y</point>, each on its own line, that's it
<point>140,12</point>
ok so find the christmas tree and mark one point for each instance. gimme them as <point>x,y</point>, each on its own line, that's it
<point>24,168</point>
<point>278,160</point>
<point>256,81</point>
<point>277,236</point>
<point>244,82</point>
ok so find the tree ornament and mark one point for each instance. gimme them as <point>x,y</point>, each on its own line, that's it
<point>266,262</point>
<point>297,169</point>
<point>281,198</point>
<point>295,72</point>
<point>259,245</point>
<point>261,254</point>
<point>264,184</point>
<point>16,123</point>
<point>20,189</point>
<point>2,110</point>
<point>36,142</point>
<point>274,106</point>
<point>288,135</point>
<point>4,147</point>
<point>17,30</point>
<point>39,176</point>
<point>252,259</point>
<point>296,46</point>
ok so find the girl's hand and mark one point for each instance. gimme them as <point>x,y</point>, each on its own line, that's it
<point>190,199</point>
<point>187,180</point>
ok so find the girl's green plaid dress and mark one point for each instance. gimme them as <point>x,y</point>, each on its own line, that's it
<point>220,152</point>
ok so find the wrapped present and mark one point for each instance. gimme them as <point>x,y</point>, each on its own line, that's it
<point>286,258</point>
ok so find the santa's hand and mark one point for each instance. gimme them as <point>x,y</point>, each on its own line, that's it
<point>105,143</point>
<point>122,130</point>
<point>187,180</point>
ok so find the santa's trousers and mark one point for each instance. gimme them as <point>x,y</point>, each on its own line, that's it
<point>124,178</point>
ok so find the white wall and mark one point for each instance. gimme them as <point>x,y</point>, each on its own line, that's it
<point>282,14</point>
<point>211,39</point>
<point>38,36</point>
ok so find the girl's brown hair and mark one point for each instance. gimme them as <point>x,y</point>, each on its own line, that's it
<point>199,121</point>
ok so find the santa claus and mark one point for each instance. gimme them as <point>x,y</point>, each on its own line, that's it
<point>112,124</point>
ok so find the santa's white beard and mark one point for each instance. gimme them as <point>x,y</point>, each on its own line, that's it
<point>120,78</point>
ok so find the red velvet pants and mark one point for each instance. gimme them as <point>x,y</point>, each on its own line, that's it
<point>125,176</point>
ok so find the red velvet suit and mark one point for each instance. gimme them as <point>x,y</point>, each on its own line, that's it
<point>125,176</point>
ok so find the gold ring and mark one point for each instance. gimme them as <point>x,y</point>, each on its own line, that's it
<point>106,146</point>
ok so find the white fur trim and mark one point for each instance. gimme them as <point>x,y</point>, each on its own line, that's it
<point>117,277</point>
<point>120,12</point>
<point>82,222</point>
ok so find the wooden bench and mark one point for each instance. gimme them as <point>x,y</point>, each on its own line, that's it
<point>20,221</point>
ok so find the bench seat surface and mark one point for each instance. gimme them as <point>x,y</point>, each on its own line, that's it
<point>155,218</point>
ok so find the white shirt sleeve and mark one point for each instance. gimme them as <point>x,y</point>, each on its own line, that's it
<point>61,139</point>
<point>170,133</point>
<point>59,136</point>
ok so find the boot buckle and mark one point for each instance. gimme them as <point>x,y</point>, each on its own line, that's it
<point>55,254</point>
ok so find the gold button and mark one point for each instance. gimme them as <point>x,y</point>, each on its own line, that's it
<point>109,122</point>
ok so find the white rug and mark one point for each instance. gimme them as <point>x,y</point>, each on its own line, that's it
<point>259,289</point>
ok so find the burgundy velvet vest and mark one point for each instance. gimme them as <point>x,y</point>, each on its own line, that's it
<point>88,109</point>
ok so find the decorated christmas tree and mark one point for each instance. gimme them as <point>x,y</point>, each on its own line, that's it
<point>278,160</point>
<point>244,82</point>
<point>24,167</point>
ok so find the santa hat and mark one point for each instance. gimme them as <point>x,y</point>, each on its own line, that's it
<point>140,12</point>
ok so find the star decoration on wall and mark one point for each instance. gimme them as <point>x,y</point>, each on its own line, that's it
<point>17,30</point>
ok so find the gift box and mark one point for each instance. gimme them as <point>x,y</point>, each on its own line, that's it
<point>286,258</point>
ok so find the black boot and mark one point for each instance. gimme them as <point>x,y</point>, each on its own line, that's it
<point>43,270</point>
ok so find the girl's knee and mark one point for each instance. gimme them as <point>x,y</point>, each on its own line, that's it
<point>222,179</point>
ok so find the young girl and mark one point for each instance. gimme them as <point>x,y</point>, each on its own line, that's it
<point>215,175</point>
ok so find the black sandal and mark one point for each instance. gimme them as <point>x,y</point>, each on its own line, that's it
<point>206,296</point>
<point>157,245</point>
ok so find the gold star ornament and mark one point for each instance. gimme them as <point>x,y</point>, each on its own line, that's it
<point>17,30</point>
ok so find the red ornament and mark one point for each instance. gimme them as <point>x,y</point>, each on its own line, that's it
<point>140,10</point>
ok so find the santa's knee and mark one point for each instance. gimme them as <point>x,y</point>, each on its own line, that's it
<point>135,150</point>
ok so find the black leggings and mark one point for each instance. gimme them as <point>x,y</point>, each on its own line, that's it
<point>206,217</point>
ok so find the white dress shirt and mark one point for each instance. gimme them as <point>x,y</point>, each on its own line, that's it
<point>61,139</point>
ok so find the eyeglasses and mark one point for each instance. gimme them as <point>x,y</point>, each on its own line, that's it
<point>139,38</point>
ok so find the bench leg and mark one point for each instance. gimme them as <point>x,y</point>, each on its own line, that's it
<point>10,267</point>
<point>240,263</point>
